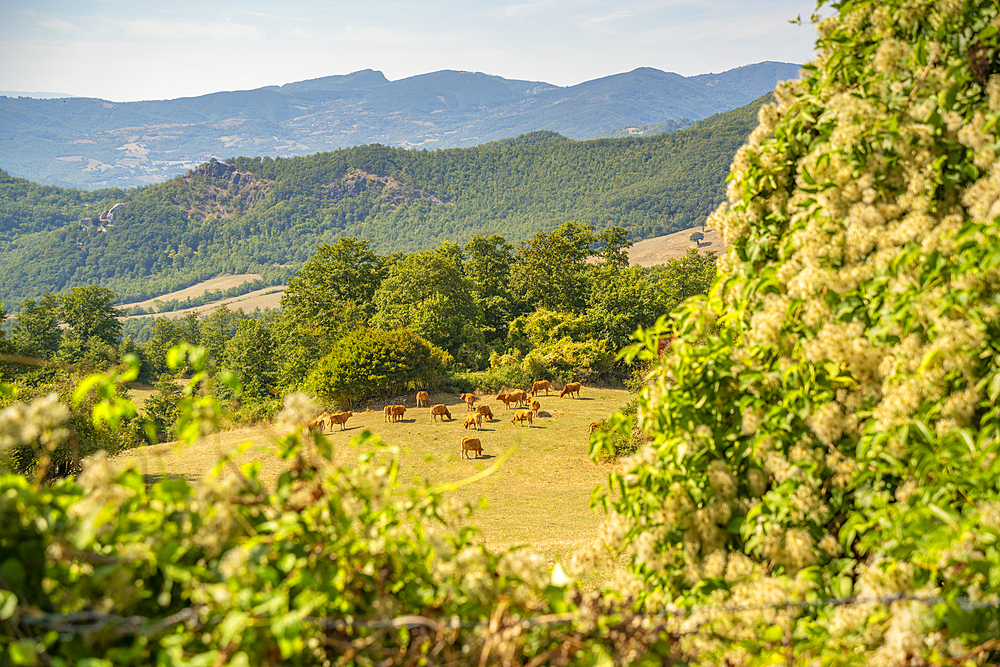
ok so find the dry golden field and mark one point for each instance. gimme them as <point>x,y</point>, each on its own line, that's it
<point>220,283</point>
<point>672,246</point>
<point>268,297</point>
<point>539,497</point>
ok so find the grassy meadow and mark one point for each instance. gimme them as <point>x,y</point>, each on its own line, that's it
<point>540,496</point>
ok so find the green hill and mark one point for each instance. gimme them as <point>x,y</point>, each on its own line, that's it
<point>263,215</point>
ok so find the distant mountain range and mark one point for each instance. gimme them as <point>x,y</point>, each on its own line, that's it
<point>89,143</point>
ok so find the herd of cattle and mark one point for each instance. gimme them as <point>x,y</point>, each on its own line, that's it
<point>518,398</point>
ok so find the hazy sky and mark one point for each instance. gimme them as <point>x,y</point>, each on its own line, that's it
<point>125,50</point>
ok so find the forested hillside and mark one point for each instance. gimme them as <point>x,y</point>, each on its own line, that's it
<point>266,215</point>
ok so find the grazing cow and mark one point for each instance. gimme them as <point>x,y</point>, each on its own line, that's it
<point>470,400</point>
<point>387,413</point>
<point>507,400</point>
<point>340,418</point>
<point>397,412</point>
<point>571,388</point>
<point>522,416</point>
<point>440,410</point>
<point>471,445</point>
<point>323,421</point>
<point>594,426</point>
<point>538,386</point>
<point>471,421</point>
<point>535,407</point>
<point>520,396</point>
<point>485,411</point>
<point>423,399</point>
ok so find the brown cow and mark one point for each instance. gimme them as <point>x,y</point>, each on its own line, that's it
<point>340,418</point>
<point>522,416</point>
<point>520,396</point>
<point>397,412</point>
<point>423,399</point>
<point>470,400</point>
<point>471,421</point>
<point>571,388</point>
<point>485,411</point>
<point>535,407</point>
<point>507,400</point>
<point>440,410</point>
<point>323,421</point>
<point>471,445</point>
<point>387,413</point>
<point>538,386</point>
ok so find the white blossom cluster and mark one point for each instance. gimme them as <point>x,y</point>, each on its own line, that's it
<point>41,421</point>
<point>860,307</point>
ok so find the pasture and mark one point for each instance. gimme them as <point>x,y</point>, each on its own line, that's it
<point>540,496</point>
<point>222,282</point>
<point>651,252</point>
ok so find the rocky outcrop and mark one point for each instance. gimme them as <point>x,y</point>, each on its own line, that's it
<point>358,182</point>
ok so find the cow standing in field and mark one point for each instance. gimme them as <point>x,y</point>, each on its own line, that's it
<point>323,421</point>
<point>340,418</point>
<point>506,399</point>
<point>387,413</point>
<point>423,399</point>
<point>535,407</point>
<point>522,416</point>
<point>520,396</point>
<point>440,410</point>
<point>471,421</point>
<point>470,400</point>
<point>538,386</point>
<point>471,445</point>
<point>485,411</point>
<point>571,388</point>
<point>397,412</point>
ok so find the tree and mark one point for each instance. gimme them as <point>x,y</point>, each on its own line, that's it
<point>841,435</point>
<point>624,301</point>
<point>697,238</point>
<point>369,362</point>
<point>90,312</point>
<point>550,270</point>
<point>36,331</point>
<point>348,270</point>
<point>428,293</point>
<point>614,245</point>
<point>487,267</point>
<point>250,354</point>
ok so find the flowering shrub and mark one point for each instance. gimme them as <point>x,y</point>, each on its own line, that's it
<point>840,436</point>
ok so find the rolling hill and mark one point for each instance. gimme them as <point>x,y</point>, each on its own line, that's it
<point>265,216</point>
<point>91,143</point>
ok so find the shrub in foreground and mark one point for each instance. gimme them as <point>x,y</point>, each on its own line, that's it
<point>840,437</point>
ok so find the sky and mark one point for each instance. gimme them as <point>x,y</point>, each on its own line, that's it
<point>127,50</point>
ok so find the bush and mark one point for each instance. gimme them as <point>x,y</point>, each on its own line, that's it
<point>371,363</point>
<point>62,436</point>
<point>839,437</point>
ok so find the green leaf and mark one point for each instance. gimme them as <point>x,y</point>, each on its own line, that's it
<point>8,604</point>
<point>773,633</point>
